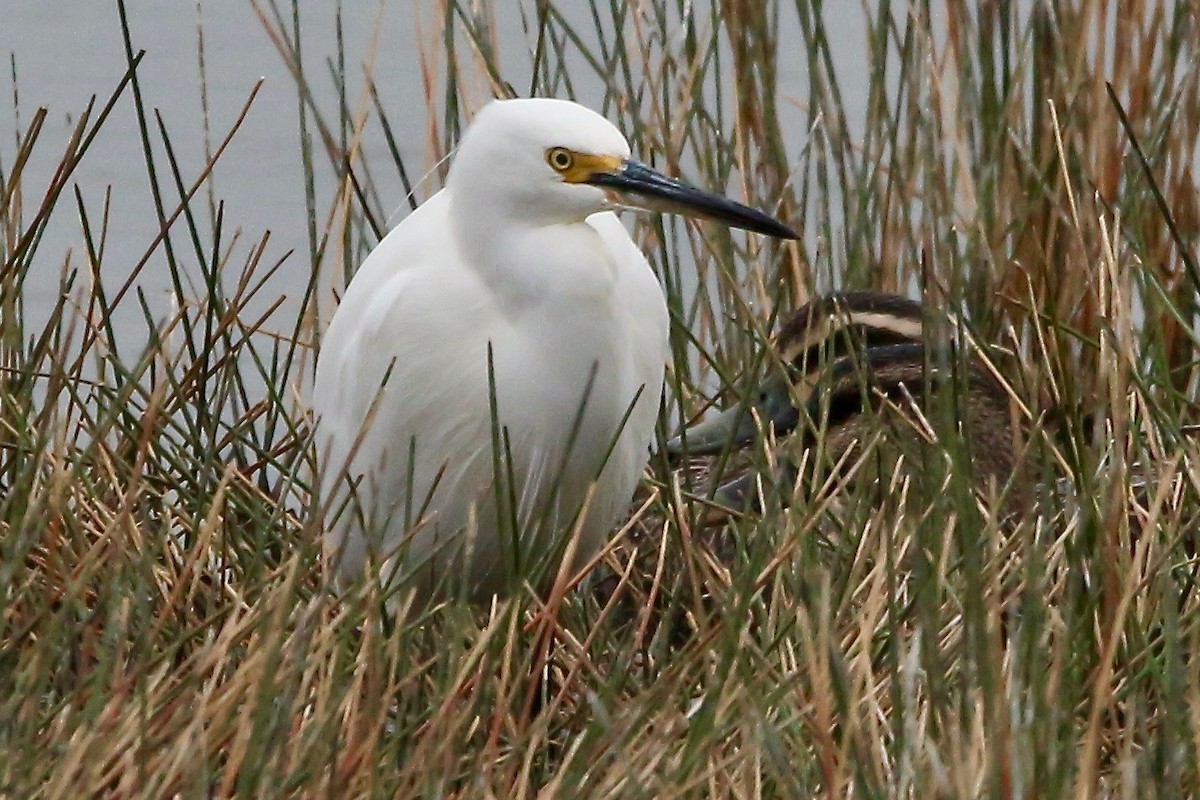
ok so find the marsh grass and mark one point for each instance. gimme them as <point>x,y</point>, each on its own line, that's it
<point>163,625</point>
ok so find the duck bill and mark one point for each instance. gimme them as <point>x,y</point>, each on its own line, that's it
<point>637,186</point>
<point>733,427</point>
<point>730,501</point>
<point>735,497</point>
<point>773,408</point>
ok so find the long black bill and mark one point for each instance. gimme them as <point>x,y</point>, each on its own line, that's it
<point>638,186</point>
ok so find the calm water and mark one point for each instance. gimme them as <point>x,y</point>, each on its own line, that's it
<point>66,51</point>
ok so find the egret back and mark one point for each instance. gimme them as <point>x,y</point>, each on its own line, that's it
<point>463,427</point>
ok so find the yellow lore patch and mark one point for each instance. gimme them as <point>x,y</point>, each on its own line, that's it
<point>578,167</point>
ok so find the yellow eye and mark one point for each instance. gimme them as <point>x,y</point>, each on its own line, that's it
<point>560,158</point>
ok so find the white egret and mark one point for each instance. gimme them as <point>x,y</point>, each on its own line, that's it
<point>498,356</point>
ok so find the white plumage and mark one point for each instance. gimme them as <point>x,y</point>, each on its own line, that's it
<point>518,254</point>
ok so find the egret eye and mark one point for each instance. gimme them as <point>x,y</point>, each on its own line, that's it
<point>560,158</point>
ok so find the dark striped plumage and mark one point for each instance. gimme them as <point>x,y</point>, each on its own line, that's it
<point>855,368</point>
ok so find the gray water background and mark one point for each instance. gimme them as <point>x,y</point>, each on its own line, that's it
<point>63,53</point>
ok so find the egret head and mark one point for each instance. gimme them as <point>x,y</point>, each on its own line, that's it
<point>554,161</point>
